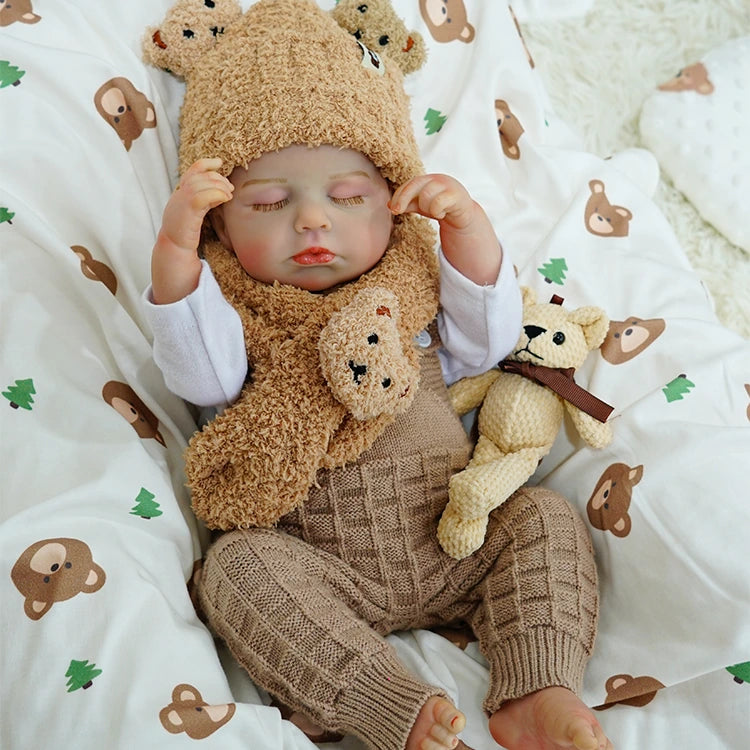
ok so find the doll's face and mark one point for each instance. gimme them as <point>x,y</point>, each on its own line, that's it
<point>310,217</point>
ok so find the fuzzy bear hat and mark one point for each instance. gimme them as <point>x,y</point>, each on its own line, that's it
<point>286,73</point>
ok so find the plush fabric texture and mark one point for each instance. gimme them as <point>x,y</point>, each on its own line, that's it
<point>286,73</point>
<point>519,418</point>
<point>190,28</point>
<point>256,462</point>
<point>377,26</point>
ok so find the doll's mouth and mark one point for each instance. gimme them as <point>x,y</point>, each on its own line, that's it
<point>312,256</point>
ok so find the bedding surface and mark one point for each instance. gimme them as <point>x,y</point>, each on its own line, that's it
<point>98,546</point>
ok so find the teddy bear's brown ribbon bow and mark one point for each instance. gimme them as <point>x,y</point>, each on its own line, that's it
<point>561,381</point>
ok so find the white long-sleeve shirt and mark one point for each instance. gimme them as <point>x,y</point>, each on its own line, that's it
<point>199,342</point>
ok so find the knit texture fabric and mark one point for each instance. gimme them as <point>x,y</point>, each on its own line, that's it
<point>286,73</point>
<point>304,607</point>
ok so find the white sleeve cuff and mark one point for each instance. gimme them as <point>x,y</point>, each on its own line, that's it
<point>199,344</point>
<point>478,325</point>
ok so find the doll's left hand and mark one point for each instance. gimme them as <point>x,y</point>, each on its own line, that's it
<point>436,196</point>
<point>466,234</point>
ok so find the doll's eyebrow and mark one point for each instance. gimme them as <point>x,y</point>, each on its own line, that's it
<point>354,173</point>
<point>279,180</point>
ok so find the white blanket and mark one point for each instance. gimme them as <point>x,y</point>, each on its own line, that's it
<point>93,497</point>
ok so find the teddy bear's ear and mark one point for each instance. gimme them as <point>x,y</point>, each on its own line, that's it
<point>528,296</point>
<point>594,323</point>
<point>190,28</point>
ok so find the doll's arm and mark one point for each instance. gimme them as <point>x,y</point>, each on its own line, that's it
<point>175,265</point>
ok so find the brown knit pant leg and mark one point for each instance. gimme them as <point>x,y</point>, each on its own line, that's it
<point>287,612</point>
<point>538,607</point>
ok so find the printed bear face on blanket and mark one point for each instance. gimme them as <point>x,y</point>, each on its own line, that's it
<point>362,357</point>
<point>447,20</point>
<point>628,338</point>
<point>377,26</point>
<point>54,570</point>
<point>692,78</point>
<point>609,504</point>
<point>601,217</point>
<point>17,10</point>
<point>189,713</point>
<point>125,109</point>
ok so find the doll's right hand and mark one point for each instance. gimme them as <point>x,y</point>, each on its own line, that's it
<point>200,189</point>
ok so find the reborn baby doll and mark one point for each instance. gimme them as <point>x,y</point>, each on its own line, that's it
<point>331,465</point>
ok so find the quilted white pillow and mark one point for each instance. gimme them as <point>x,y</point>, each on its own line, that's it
<point>697,126</point>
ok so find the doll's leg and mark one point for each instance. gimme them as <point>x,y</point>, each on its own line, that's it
<point>288,612</point>
<point>536,623</point>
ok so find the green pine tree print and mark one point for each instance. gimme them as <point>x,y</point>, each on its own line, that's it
<point>10,75</point>
<point>677,388</point>
<point>434,120</point>
<point>554,270</point>
<point>20,394</point>
<point>6,215</point>
<point>740,672</point>
<point>145,506</point>
<point>81,674</point>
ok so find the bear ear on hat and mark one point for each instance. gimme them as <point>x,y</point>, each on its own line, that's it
<point>376,24</point>
<point>189,29</point>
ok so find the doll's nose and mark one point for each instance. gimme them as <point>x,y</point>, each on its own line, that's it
<point>311,215</point>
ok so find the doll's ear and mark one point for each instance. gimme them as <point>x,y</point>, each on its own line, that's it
<point>190,29</point>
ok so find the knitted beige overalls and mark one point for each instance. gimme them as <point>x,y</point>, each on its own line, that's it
<point>303,607</point>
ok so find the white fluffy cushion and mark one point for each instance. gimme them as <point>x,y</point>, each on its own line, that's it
<point>696,125</point>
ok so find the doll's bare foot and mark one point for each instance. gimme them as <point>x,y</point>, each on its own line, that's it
<point>550,719</point>
<point>438,722</point>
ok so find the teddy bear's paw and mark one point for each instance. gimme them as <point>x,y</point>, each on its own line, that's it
<point>459,537</point>
<point>362,358</point>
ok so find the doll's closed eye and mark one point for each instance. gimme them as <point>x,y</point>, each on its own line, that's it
<point>354,200</point>
<point>270,206</point>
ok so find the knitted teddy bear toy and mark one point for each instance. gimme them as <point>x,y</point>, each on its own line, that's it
<point>328,371</point>
<point>521,412</point>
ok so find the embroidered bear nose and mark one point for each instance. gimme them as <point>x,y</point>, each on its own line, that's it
<point>358,371</point>
<point>533,331</point>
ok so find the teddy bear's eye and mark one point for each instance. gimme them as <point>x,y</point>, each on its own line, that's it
<point>209,3</point>
<point>558,338</point>
<point>188,33</point>
<point>362,8</point>
<point>373,338</point>
<point>383,40</point>
<point>386,382</point>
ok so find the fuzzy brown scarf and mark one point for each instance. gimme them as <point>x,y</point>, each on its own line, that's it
<point>257,461</point>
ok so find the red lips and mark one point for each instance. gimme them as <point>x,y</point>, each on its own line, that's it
<point>314,255</point>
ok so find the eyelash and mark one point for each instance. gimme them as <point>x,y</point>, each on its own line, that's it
<point>270,206</point>
<point>355,200</point>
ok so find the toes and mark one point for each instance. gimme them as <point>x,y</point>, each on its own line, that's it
<point>430,744</point>
<point>448,716</point>
<point>583,736</point>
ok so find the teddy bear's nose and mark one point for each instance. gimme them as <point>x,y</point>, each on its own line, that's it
<point>533,331</point>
